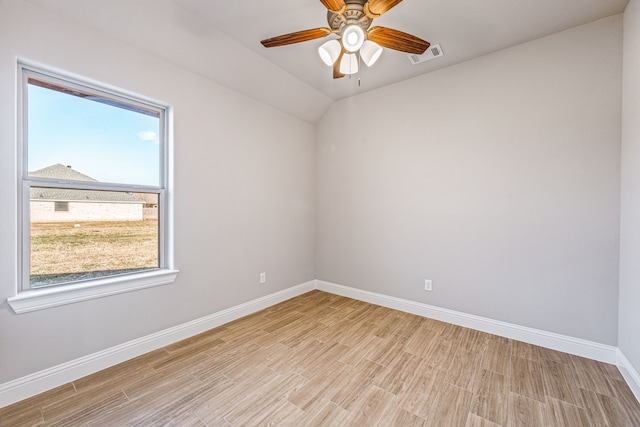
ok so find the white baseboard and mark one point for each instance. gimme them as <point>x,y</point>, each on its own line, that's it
<point>47,379</point>
<point>576,346</point>
<point>630,375</point>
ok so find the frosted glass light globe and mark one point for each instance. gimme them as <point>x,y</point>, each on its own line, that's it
<point>352,38</point>
<point>330,51</point>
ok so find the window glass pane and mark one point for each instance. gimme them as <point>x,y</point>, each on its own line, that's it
<point>106,140</point>
<point>101,233</point>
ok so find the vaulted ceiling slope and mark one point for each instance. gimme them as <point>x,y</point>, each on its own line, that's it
<point>180,37</point>
<point>221,40</point>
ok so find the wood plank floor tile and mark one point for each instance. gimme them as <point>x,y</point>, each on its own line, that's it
<point>419,343</point>
<point>174,404</point>
<point>313,366</point>
<point>259,406</point>
<point>200,342</point>
<point>440,354</point>
<point>317,389</point>
<point>526,378</point>
<point>73,414</point>
<point>329,414</point>
<point>491,397</point>
<point>454,333</point>
<point>387,326</point>
<point>183,359</point>
<point>396,377</point>
<point>360,350</point>
<point>321,359</point>
<point>476,421</point>
<point>604,410</point>
<point>179,408</point>
<point>464,369</point>
<point>628,401</point>
<point>371,407</point>
<point>563,414</point>
<point>611,371</point>
<point>279,322</point>
<point>401,417</point>
<point>409,324</point>
<point>222,360</point>
<point>591,376</point>
<point>435,325</point>
<point>28,412</point>
<point>423,389</point>
<point>451,408</point>
<point>525,351</point>
<point>497,357</point>
<point>219,405</point>
<point>159,383</point>
<point>525,412</point>
<point>361,312</point>
<point>593,408</point>
<point>298,335</point>
<point>476,342</point>
<point>388,349</point>
<point>357,380</point>
<point>336,331</point>
<point>613,411</point>
<point>21,416</point>
<point>560,382</point>
<point>554,355</point>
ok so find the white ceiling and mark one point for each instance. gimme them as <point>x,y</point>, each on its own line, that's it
<point>464,28</point>
<point>221,39</point>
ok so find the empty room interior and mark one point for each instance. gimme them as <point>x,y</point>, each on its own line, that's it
<point>447,234</point>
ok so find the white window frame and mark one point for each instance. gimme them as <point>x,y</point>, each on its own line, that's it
<point>29,299</point>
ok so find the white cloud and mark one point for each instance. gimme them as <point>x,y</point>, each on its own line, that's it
<point>148,135</point>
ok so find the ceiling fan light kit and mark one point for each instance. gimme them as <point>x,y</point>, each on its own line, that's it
<point>352,38</point>
<point>349,64</point>
<point>350,20</point>
<point>330,51</point>
<point>370,52</point>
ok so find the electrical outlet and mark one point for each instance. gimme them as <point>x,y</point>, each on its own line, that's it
<point>428,285</point>
<point>263,278</point>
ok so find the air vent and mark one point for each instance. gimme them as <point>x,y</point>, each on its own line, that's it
<point>434,51</point>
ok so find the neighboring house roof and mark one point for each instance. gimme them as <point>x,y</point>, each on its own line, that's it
<point>59,171</point>
<point>149,198</point>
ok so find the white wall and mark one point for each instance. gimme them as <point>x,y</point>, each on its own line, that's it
<point>497,178</point>
<point>244,194</point>
<point>629,323</point>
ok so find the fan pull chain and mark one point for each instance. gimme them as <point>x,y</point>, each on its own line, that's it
<point>359,66</point>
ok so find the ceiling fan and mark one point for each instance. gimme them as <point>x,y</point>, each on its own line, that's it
<point>351,21</point>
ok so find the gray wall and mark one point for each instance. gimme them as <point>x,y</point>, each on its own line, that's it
<point>244,194</point>
<point>497,178</point>
<point>629,324</point>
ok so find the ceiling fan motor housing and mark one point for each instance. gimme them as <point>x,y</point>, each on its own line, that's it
<point>353,15</point>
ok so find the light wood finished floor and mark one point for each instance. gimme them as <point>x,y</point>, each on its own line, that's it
<point>321,359</point>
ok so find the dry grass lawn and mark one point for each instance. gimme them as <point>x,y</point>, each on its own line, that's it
<point>90,249</point>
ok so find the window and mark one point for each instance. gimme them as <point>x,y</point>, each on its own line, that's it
<point>93,171</point>
<point>61,206</point>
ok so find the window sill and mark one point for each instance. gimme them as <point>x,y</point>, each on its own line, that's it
<point>44,298</point>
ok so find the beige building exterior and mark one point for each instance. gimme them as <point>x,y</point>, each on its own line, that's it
<point>62,205</point>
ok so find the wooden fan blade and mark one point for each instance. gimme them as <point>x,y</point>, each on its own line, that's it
<point>333,5</point>
<point>336,66</point>
<point>397,40</point>
<point>378,7</point>
<point>297,37</point>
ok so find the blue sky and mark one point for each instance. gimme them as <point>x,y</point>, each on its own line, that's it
<point>107,143</point>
